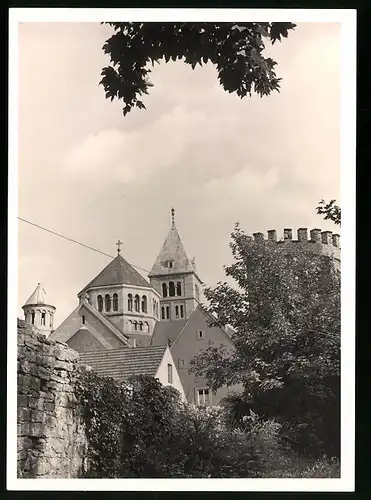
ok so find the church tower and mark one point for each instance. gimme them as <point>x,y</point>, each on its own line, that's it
<point>38,312</point>
<point>174,276</point>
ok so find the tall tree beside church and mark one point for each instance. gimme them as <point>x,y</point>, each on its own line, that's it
<point>285,310</point>
<point>236,49</point>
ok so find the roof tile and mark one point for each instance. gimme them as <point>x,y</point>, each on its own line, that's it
<point>122,363</point>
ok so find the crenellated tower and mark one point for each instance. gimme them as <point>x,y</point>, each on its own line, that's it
<point>318,243</point>
<point>174,276</point>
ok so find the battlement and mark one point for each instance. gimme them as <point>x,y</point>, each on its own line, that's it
<point>319,242</point>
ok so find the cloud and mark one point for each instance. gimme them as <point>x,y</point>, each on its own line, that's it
<point>90,173</point>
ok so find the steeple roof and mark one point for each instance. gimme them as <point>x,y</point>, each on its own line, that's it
<point>37,297</point>
<point>172,258</point>
<point>118,272</point>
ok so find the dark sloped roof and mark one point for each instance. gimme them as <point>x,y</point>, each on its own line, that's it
<point>173,250</point>
<point>118,272</point>
<point>165,331</point>
<point>120,364</point>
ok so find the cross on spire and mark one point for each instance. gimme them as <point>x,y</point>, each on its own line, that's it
<point>172,217</point>
<point>119,243</point>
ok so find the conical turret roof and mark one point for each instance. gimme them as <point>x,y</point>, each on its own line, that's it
<point>172,257</point>
<point>118,272</point>
<point>37,297</point>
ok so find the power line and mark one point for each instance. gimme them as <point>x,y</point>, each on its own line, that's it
<point>77,242</point>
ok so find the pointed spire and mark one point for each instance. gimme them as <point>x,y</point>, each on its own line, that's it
<point>172,218</point>
<point>37,297</point>
<point>172,256</point>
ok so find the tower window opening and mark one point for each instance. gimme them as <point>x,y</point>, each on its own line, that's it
<point>171,289</point>
<point>43,318</point>
<point>130,302</point>
<point>162,313</point>
<point>182,311</point>
<point>140,326</point>
<point>170,264</point>
<point>83,319</point>
<point>146,326</point>
<point>144,304</point>
<point>170,373</point>
<point>135,326</point>
<point>137,303</point>
<point>107,300</point>
<point>33,317</point>
<point>164,289</point>
<point>167,312</point>
<point>177,311</point>
<point>179,288</point>
<point>115,302</point>
<point>100,303</point>
<point>51,321</point>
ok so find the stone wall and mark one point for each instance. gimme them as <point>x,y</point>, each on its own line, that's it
<point>51,440</point>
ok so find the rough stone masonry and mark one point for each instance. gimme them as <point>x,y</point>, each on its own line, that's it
<point>51,440</point>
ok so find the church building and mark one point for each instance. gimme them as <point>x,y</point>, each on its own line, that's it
<point>120,309</point>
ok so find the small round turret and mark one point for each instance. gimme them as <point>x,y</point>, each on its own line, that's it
<point>38,312</point>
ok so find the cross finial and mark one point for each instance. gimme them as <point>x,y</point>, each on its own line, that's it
<point>119,243</point>
<point>172,217</point>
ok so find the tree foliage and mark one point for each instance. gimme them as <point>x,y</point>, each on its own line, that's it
<point>285,311</point>
<point>140,429</point>
<point>330,211</point>
<point>236,49</point>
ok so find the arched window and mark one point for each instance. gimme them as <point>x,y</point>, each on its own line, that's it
<point>43,315</point>
<point>144,304</point>
<point>115,299</point>
<point>100,303</point>
<point>162,313</point>
<point>51,320</point>
<point>167,312</point>
<point>164,289</point>
<point>182,311</point>
<point>33,317</point>
<point>171,289</point>
<point>179,288</point>
<point>137,303</point>
<point>130,302</point>
<point>135,326</point>
<point>146,327</point>
<point>107,305</point>
<point>177,311</point>
<point>140,326</point>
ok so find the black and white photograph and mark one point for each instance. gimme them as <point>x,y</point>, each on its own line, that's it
<point>181,249</point>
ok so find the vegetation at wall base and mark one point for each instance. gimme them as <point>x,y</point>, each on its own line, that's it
<point>141,429</point>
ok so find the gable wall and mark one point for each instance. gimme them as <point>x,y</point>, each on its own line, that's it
<point>186,347</point>
<point>84,341</point>
<point>162,373</point>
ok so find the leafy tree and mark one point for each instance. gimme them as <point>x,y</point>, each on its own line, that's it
<point>285,312</point>
<point>140,429</point>
<point>236,49</point>
<point>330,211</point>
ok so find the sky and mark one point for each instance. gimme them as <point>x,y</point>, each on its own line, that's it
<point>93,175</point>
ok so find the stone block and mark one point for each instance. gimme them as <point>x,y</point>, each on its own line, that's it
<point>63,365</point>
<point>37,416</point>
<point>35,429</point>
<point>23,414</point>
<point>22,400</point>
